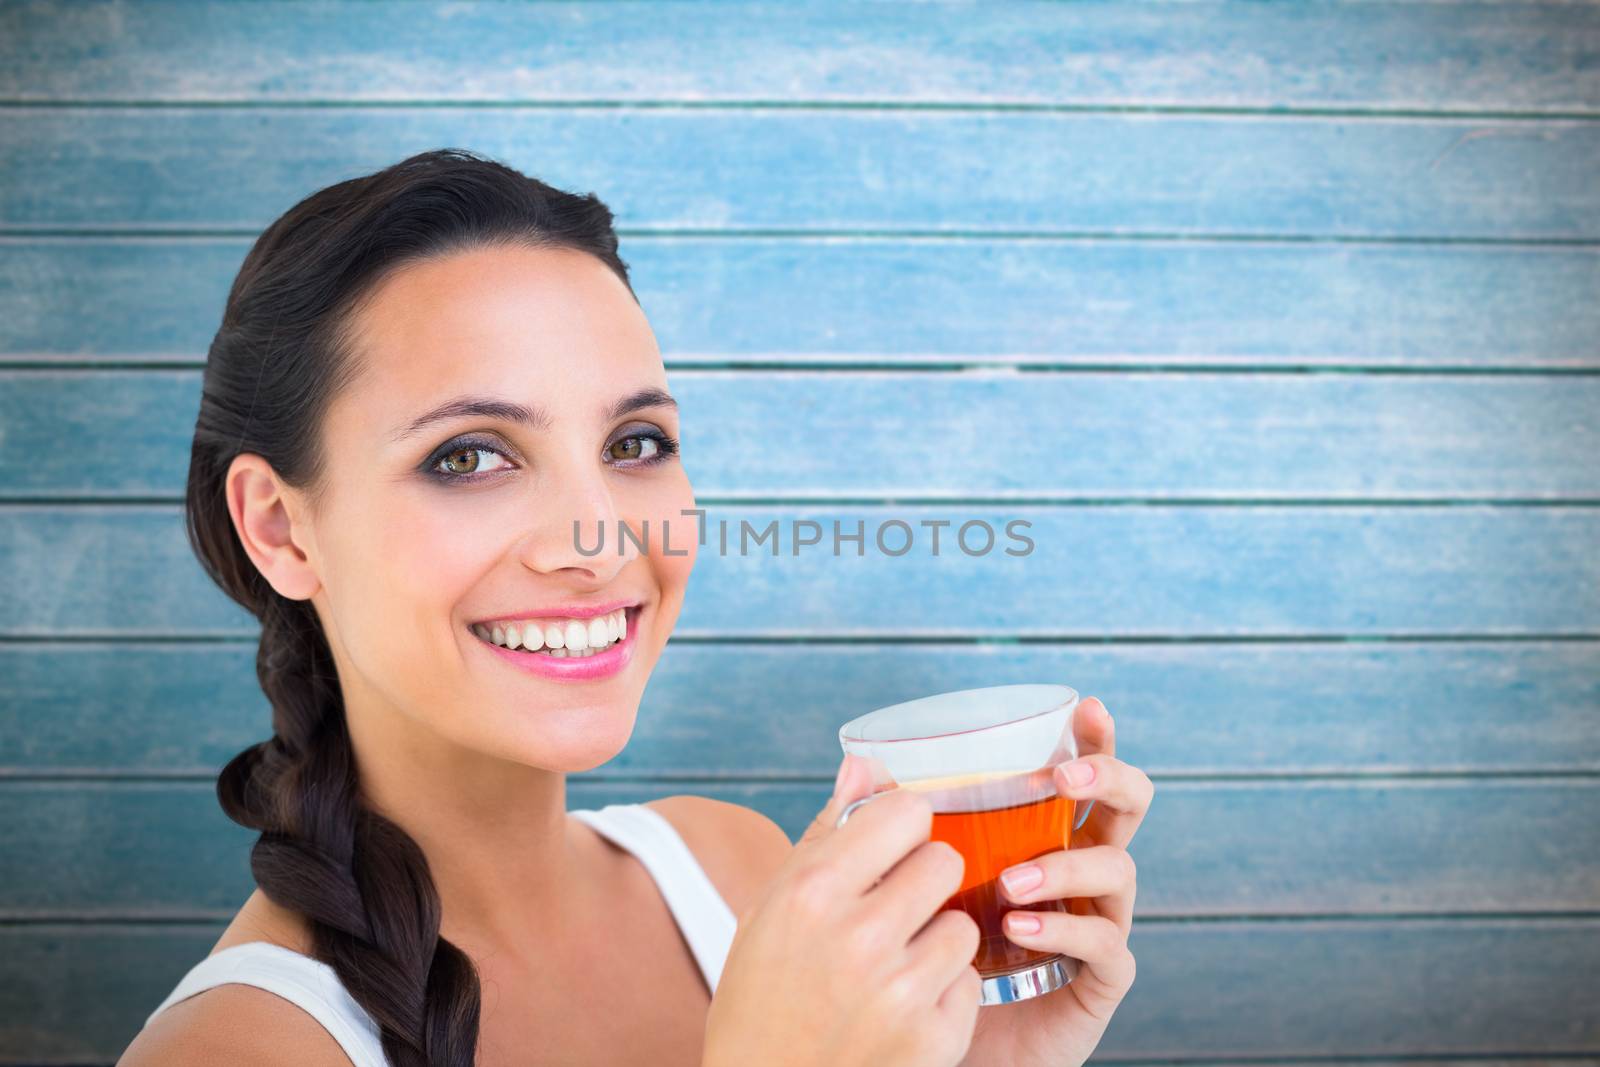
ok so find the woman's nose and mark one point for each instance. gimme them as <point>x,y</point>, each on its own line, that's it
<point>577,525</point>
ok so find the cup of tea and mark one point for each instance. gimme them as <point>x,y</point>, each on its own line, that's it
<point>984,760</point>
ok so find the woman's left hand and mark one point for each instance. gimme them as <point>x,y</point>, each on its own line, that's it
<point>1061,1028</point>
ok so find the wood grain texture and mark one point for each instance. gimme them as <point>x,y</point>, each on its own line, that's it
<point>1092,572</point>
<point>740,708</point>
<point>980,300</point>
<point>1376,846</point>
<point>820,171</point>
<point>1433,56</point>
<point>1276,322</point>
<point>1226,990</point>
<point>994,434</point>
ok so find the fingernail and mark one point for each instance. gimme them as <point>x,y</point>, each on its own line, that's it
<point>1078,772</point>
<point>838,781</point>
<point>1022,923</point>
<point>1021,879</point>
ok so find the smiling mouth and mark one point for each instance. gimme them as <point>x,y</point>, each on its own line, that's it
<point>561,638</point>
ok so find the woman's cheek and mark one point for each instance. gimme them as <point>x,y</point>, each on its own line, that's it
<point>673,553</point>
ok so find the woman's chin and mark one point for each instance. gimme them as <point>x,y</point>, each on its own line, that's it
<point>571,738</point>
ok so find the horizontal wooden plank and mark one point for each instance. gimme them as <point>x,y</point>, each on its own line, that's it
<point>1329,989</point>
<point>1318,990</point>
<point>1189,435</point>
<point>1382,845</point>
<point>1382,55</point>
<point>897,170</point>
<point>897,299</point>
<point>1093,572</point>
<point>732,707</point>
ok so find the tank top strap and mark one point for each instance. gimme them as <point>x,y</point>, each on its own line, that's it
<point>308,983</point>
<point>708,924</point>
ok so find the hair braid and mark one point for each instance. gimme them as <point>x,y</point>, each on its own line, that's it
<point>361,882</point>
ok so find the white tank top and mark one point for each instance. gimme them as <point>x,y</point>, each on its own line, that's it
<point>707,923</point>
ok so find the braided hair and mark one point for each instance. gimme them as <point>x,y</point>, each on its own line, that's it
<point>280,356</point>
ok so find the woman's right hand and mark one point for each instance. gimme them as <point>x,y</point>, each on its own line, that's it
<point>847,960</point>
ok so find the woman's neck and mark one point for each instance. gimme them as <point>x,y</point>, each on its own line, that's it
<point>496,835</point>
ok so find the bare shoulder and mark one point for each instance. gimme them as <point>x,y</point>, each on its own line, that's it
<point>234,1024</point>
<point>739,848</point>
<point>242,1024</point>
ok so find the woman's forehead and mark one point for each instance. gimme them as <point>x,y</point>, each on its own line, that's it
<point>513,300</point>
<point>542,325</point>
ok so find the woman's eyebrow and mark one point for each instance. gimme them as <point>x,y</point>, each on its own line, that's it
<point>490,407</point>
<point>493,407</point>
<point>644,398</point>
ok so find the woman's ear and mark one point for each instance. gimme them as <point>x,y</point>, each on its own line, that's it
<point>271,525</point>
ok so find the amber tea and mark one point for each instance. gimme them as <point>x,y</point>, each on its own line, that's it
<point>996,822</point>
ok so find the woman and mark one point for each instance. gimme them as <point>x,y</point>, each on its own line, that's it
<point>427,381</point>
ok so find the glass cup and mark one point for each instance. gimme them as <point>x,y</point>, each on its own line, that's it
<point>983,758</point>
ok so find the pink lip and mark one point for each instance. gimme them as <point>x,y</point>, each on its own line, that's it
<point>600,665</point>
<point>562,611</point>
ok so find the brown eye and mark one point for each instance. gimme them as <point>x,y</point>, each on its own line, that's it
<point>628,449</point>
<point>461,461</point>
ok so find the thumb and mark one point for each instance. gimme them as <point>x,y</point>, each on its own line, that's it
<point>851,784</point>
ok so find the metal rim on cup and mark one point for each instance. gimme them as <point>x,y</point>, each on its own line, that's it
<point>1042,978</point>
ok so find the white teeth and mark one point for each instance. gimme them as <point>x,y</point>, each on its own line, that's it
<point>565,638</point>
<point>577,635</point>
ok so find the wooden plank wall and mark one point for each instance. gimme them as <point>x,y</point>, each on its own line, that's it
<point>1278,322</point>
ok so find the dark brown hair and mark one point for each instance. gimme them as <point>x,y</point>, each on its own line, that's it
<point>282,353</point>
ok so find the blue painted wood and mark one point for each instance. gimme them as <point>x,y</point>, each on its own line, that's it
<point>967,300</point>
<point>731,707</point>
<point>1413,987</point>
<point>1534,56</point>
<point>1265,848</point>
<point>899,434</point>
<point>1224,990</point>
<point>1389,186</point>
<point>1116,571</point>
<point>823,170</point>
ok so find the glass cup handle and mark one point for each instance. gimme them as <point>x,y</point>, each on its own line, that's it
<point>853,805</point>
